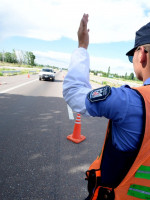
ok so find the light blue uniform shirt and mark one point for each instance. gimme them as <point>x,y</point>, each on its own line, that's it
<point>123,106</point>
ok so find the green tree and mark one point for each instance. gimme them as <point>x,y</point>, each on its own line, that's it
<point>1,56</point>
<point>116,75</point>
<point>108,73</point>
<point>126,76</point>
<point>105,74</point>
<point>14,57</point>
<point>27,57</point>
<point>131,77</point>
<point>30,57</point>
<point>8,57</point>
<point>95,72</point>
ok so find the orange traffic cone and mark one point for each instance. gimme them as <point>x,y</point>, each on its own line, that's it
<point>28,75</point>
<point>76,136</point>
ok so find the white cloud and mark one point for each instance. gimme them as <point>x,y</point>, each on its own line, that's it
<point>109,20</point>
<point>116,65</point>
<point>61,60</point>
<point>53,58</point>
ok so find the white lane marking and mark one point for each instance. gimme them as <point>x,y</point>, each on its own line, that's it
<point>5,91</point>
<point>70,113</point>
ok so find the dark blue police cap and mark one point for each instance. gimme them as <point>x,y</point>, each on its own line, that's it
<point>142,37</point>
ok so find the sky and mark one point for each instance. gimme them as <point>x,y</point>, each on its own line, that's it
<point>49,28</point>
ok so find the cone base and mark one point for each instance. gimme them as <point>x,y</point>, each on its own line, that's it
<point>82,138</point>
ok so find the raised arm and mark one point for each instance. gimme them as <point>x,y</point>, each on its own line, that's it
<point>76,83</point>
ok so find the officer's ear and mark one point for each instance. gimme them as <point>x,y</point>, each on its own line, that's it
<point>143,55</point>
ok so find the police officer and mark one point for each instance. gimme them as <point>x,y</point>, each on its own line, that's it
<point>124,106</point>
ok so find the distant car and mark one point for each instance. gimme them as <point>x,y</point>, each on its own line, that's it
<point>47,74</point>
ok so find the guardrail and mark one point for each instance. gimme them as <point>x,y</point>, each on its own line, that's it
<point>11,72</point>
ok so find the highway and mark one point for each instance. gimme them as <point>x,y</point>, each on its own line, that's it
<point>37,162</point>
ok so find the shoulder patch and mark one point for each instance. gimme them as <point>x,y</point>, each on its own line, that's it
<point>99,94</point>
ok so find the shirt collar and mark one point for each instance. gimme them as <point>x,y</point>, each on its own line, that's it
<point>147,82</point>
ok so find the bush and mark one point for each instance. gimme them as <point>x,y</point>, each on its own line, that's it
<point>104,82</point>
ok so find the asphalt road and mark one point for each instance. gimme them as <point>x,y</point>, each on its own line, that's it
<point>37,162</point>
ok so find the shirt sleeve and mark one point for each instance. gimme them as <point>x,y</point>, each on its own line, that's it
<point>76,83</point>
<point>114,107</point>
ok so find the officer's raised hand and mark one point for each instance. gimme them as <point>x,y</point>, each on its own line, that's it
<point>83,32</point>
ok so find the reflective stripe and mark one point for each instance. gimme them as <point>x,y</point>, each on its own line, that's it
<point>139,171</point>
<point>77,122</point>
<point>139,191</point>
<point>143,172</point>
<point>136,190</point>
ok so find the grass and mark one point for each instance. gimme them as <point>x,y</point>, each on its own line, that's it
<point>114,82</point>
<point>107,83</point>
<point>15,65</point>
